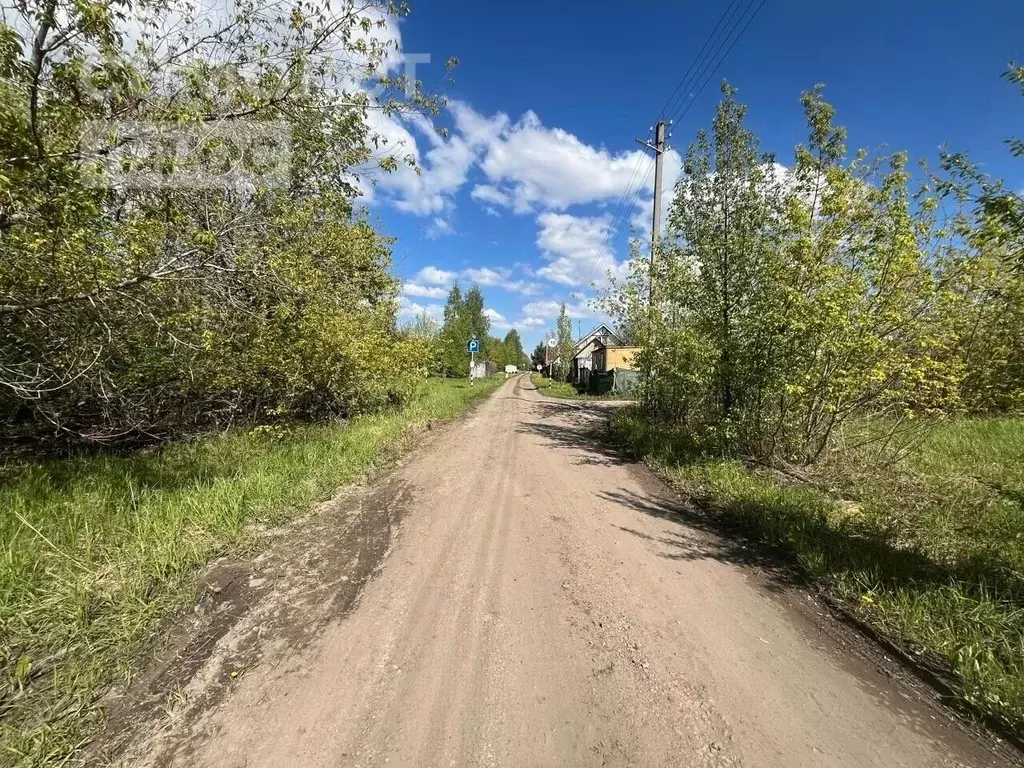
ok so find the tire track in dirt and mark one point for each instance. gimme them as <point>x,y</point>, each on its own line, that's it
<point>546,603</point>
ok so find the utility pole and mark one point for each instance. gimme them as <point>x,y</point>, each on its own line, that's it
<point>658,147</point>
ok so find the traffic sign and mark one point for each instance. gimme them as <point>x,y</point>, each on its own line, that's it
<point>552,343</point>
<point>473,346</point>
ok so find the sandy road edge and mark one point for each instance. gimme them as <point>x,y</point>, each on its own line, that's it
<point>851,637</point>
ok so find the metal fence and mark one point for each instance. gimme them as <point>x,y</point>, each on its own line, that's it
<point>617,380</point>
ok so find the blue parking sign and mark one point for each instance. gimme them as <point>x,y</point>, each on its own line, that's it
<point>473,346</point>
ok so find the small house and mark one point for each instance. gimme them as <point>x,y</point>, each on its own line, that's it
<point>609,357</point>
<point>583,350</point>
<point>613,369</point>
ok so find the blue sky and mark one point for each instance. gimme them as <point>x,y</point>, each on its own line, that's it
<point>522,195</point>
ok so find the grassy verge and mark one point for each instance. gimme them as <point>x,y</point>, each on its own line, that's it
<point>556,388</point>
<point>930,552</point>
<point>97,548</point>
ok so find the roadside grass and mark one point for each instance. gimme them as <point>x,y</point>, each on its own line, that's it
<point>556,388</point>
<point>96,548</point>
<point>929,551</point>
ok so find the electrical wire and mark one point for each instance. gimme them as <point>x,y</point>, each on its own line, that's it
<point>622,209</point>
<point>665,111</point>
<point>712,66</point>
<point>701,70</point>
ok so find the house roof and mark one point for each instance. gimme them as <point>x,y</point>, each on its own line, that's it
<point>594,335</point>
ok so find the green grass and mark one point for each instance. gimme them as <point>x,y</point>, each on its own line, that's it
<point>97,548</point>
<point>556,388</point>
<point>929,551</point>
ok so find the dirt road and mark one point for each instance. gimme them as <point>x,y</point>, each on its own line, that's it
<point>545,603</point>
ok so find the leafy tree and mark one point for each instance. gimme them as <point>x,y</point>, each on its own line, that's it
<point>494,350</point>
<point>145,293</point>
<point>860,336</point>
<point>538,356</point>
<point>514,354</point>
<point>477,322</point>
<point>506,351</point>
<point>422,326</point>
<point>563,352</point>
<point>454,335</point>
<point>464,319</point>
<point>424,332</point>
<point>787,303</point>
<point>983,268</point>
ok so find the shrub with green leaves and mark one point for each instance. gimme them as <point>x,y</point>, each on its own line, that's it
<point>789,300</point>
<point>146,293</point>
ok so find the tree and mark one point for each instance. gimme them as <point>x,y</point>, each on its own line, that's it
<point>146,292</point>
<point>514,354</point>
<point>422,326</point>
<point>983,270</point>
<point>789,302</point>
<point>477,322</point>
<point>719,297</point>
<point>424,332</point>
<point>455,333</point>
<point>464,319</point>
<point>539,354</point>
<point>861,336</point>
<point>563,352</point>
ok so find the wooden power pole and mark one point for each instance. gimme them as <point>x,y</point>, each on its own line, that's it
<point>658,147</point>
<point>659,161</point>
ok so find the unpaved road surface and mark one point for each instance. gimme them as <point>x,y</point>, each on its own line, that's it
<point>546,603</point>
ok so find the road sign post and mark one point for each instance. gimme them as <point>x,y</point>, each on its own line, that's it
<point>473,347</point>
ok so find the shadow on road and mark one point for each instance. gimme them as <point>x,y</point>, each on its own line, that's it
<point>578,427</point>
<point>699,535</point>
<point>744,531</point>
<point>582,429</point>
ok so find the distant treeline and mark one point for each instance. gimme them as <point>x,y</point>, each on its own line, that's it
<point>446,343</point>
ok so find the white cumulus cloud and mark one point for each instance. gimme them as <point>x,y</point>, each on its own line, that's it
<point>577,248</point>
<point>488,194</point>
<point>435,276</point>
<point>532,322</point>
<point>533,166</point>
<point>409,309</point>
<point>496,277</point>
<point>498,321</point>
<point>549,309</point>
<point>438,228</point>
<point>424,291</point>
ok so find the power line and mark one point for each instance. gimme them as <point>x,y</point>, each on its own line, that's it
<point>728,12</point>
<point>622,208</point>
<point>706,62</point>
<point>706,71</point>
<point>687,75</point>
<point>629,186</point>
<point>712,66</point>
